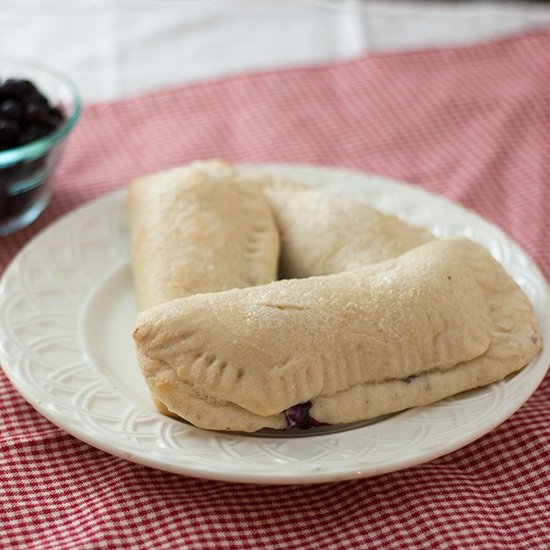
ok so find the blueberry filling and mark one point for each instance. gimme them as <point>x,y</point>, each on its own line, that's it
<point>298,416</point>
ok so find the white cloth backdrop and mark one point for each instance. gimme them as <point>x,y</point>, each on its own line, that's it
<point>116,48</point>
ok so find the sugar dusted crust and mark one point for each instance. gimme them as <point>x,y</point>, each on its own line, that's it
<point>375,315</point>
<point>198,229</point>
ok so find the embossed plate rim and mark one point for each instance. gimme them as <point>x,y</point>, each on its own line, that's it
<point>169,445</point>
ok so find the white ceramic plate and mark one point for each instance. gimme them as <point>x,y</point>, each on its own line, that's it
<point>67,309</point>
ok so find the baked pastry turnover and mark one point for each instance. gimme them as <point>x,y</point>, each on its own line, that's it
<point>370,315</point>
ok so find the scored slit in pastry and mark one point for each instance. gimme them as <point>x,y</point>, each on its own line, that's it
<point>374,325</point>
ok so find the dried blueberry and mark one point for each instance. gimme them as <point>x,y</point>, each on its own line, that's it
<point>298,416</point>
<point>21,101</point>
<point>25,116</point>
<point>31,133</point>
<point>13,88</point>
<point>36,113</point>
<point>9,133</point>
<point>55,116</point>
<point>11,108</point>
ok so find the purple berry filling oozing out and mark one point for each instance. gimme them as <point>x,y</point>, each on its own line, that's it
<point>298,416</point>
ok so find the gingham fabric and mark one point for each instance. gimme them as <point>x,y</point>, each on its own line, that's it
<point>470,123</point>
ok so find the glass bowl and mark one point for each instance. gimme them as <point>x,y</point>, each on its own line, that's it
<point>26,170</point>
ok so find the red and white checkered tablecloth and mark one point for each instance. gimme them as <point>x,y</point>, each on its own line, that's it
<point>471,123</point>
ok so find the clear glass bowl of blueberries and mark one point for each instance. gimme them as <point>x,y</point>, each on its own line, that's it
<point>38,110</point>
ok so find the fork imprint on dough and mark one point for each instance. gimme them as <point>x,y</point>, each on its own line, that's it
<point>428,319</point>
<point>189,230</point>
<point>259,244</point>
<point>325,367</point>
<point>198,230</point>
